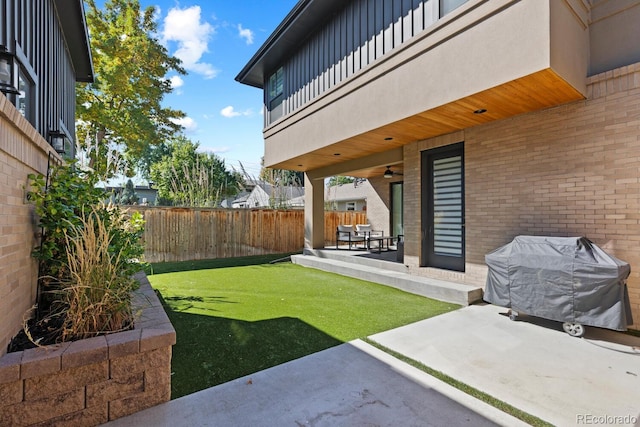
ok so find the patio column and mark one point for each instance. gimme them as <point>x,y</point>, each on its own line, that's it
<point>313,213</point>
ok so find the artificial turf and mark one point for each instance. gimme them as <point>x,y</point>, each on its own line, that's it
<point>234,321</point>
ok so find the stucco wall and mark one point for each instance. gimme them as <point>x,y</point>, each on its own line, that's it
<point>22,151</point>
<point>571,170</point>
<point>497,42</point>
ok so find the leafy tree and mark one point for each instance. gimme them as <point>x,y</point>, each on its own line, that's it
<point>151,154</point>
<point>281,176</point>
<point>129,195</point>
<point>186,177</point>
<point>122,108</point>
<point>340,180</point>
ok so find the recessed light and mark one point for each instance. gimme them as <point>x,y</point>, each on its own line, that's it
<point>388,138</point>
<point>299,166</point>
<point>480,111</point>
<point>336,154</point>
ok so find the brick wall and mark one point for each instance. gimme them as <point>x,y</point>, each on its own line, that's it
<point>22,151</point>
<point>572,170</point>
<point>92,381</point>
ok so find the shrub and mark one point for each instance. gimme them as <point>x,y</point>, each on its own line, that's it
<point>58,204</point>
<point>87,257</point>
<point>96,298</point>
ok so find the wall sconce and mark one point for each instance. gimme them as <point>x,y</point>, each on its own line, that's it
<point>7,72</point>
<point>57,140</point>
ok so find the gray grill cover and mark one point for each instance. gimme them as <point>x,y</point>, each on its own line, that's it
<point>568,279</point>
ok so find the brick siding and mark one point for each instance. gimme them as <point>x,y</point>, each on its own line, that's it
<point>571,170</point>
<point>22,151</point>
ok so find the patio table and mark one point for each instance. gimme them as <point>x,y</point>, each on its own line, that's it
<point>380,240</point>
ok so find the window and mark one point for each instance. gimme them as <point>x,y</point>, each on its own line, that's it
<point>447,6</point>
<point>276,84</point>
<point>24,99</point>
<point>275,95</point>
<point>25,77</point>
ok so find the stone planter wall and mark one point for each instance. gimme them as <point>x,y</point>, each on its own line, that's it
<point>92,381</point>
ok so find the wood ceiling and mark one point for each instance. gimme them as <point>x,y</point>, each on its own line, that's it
<point>534,92</point>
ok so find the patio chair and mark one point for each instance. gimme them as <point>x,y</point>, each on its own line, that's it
<point>368,233</point>
<point>346,233</point>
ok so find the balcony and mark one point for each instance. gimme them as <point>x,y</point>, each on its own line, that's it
<point>488,60</point>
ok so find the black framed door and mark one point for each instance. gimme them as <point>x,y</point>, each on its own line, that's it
<point>443,239</point>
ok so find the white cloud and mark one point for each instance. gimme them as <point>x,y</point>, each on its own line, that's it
<point>245,34</point>
<point>176,82</point>
<point>187,123</point>
<point>230,112</point>
<point>184,27</point>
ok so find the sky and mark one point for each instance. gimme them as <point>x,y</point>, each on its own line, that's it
<point>215,39</point>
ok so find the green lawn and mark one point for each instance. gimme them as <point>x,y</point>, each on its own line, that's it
<point>233,321</point>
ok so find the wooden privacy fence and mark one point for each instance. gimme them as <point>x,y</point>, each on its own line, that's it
<point>186,234</point>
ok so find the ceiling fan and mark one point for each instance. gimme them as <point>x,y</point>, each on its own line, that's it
<point>389,173</point>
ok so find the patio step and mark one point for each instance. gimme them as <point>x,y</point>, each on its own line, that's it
<point>363,258</point>
<point>433,288</point>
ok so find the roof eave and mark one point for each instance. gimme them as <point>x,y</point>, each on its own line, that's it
<point>74,27</point>
<point>305,16</point>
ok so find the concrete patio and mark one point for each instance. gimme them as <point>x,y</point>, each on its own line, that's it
<point>530,364</point>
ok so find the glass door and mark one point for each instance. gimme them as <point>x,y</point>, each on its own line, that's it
<point>443,244</point>
<point>397,203</point>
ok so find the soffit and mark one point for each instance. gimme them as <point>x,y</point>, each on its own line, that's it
<point>72,20</point>
<point>534,92</point>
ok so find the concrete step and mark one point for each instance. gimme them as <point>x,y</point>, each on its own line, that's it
<point>363,258</point>
<point>437,289</point>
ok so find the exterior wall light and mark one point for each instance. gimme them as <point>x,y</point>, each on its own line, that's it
<point>57,140</point>
<point>7,72</point>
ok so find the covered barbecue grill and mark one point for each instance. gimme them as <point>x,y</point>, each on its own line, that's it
<point>567,279</point>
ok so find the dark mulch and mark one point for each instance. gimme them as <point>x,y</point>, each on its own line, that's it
<point>44,332</point>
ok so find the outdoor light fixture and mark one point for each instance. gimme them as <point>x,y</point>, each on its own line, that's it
<point>57,140</point>
<point>390,174</point>
<point>480,111</point>
<point>7,73</point>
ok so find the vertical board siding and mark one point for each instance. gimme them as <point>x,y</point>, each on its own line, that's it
<point>32,27</point>
<point>186,234</point>
<point>358,35</point>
